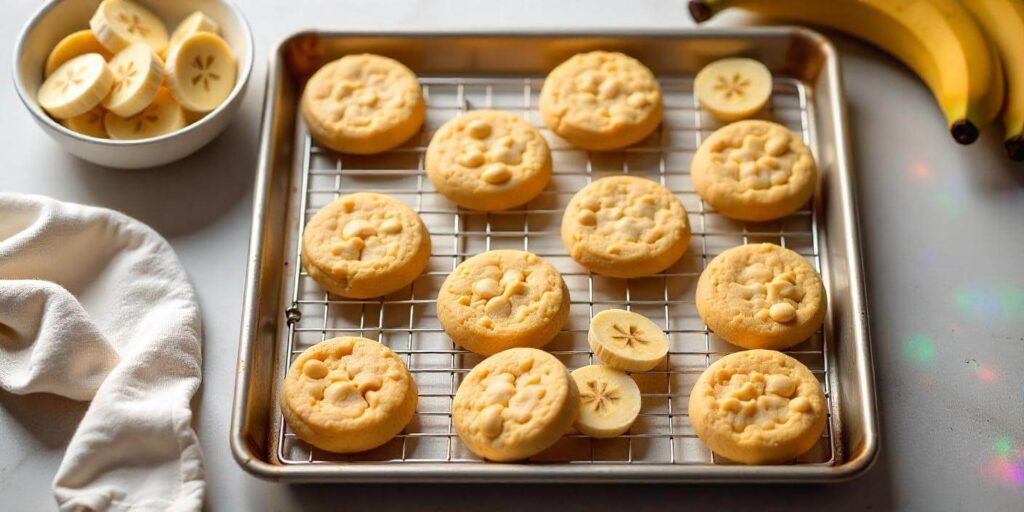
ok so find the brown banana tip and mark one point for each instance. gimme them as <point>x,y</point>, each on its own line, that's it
<point>964,131</point>
<point>1015,148</point>
<point>699,11</point>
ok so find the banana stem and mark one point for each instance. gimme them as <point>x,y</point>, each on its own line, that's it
<point>700,11</point>
<point>964,131</point>
<point>1015,148</point>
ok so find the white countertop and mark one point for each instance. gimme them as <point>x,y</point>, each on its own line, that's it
<point>943,240</point>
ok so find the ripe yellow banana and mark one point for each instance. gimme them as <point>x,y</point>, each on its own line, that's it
<point>1003,23</point>
<point>938,39</point>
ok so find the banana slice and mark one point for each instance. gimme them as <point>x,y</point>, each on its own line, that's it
<point>76,86</point>
<point>201,71</point>
<point>162,117</point>
<point>609,401</point>
<point>89,123</point>
<point>119,23</point>
<point>138,74</point>
<point>627,341</point>
<point>195,22</point>
<point>733,89</point>
<point>78,43</point>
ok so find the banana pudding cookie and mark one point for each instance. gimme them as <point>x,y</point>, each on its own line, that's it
<point>488,160</point>
<point>363,104</point>
<point>502,299</point>
<point>758,407</point>
<point>761,296</point>
<point>624,226</point>
<point>601,100</point>
<point>365,245</point>
<point>348,395</point>
<point>515,404</point>
<point>754,170</point>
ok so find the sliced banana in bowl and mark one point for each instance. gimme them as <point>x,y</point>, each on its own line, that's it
<point>89,123</point>
<point>627,341</point>
<point>75,44</point>
<point>76,87</point>
<point>201,71</point>
<point>609,401</point>
<point>195,22</point>
<point>119,23</point>
<point>138,73</point>
<point>733,89</point>
<point>161,117</point>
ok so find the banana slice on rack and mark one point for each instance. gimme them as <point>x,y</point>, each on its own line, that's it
<point>119,23</point>
<point>163,116</point>
<point>78,43</point>
<point>138,74</point>
<point>201,71</point>
<point>89,123</point>
<point>733,89</point>
<point>76,86</point>
<point>609,401</point>
<point>195,22</point>
<point>627,341</point>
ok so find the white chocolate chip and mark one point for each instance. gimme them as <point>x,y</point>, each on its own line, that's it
<point>314,369</point>
<point>782,312</point>
<point>390,226</point>
<point>486,288</point>
<point>800,404</point>
<point>504,155</point>
<point>629,228</point>
<point>780,385</point>
<point>609,88</point>
<point>512,275</point>
<point>637,100</point>
<point>478,129</point>
<point>496,174</point>
<point>358,228</point>
<point>489,421</point>
<point>471,158</point>
<point>586,217</point>
<point>498,307</point>
<point>777,145</point>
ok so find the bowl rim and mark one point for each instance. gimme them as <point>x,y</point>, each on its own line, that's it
<point>240,83</point>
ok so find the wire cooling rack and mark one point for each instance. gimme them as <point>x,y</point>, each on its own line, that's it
<point>406,320</point>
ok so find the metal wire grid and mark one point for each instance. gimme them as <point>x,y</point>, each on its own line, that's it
<point>405,321</point>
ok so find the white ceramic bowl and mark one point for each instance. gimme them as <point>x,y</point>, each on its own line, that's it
<point>58,18</point>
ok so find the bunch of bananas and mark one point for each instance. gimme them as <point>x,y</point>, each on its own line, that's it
<point>968,52</point>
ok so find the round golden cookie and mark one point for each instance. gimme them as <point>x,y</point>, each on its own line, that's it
<point>503,299</point>
<point>601,100</point>
<point>488,160</point>
<point>515,404</point>
<point>624,226</point>
<point>761,296</point>
<point>365,245</point>
<point>754,170</point>
<point>348,394</point>
<point>758,407</point>
<point>363,104</point>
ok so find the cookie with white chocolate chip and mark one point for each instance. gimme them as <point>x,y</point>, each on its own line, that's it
<point>624,226</point>
<point>363,104</point>
<point>348,395</point>
<point>758,407</point>
<point>761,296</point>
<point>502,299</point>
<point>601,100</point>
<point>488,160</point>
<point>515,404</point>
<point>365,245</point>
<point>754,170</point>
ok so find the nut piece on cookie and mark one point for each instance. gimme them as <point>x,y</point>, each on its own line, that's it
<point>488,160</point>
<point>758,407</point>
<point>754,170</point>
<point>503,299</point>
<point>515,404</point>
<point>348,395</point>
<point>601,100</point>
<point>761,296</point>
<point>363,104</point>
<point>624,226</point>
<point>365,245</point>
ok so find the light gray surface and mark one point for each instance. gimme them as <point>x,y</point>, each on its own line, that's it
<point>943,229</point>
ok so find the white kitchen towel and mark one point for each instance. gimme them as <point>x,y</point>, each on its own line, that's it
<point>94,305</point>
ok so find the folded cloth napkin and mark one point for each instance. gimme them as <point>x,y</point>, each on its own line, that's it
<point>94,305</point>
